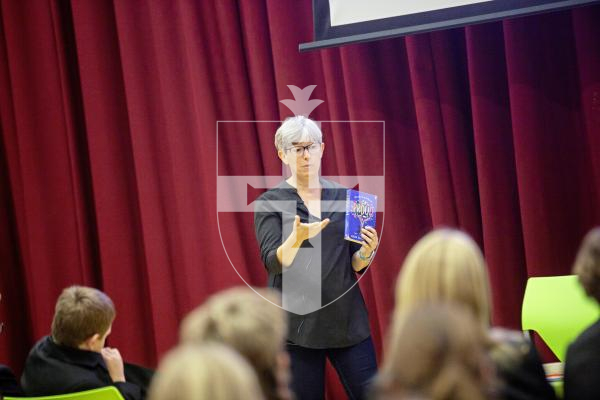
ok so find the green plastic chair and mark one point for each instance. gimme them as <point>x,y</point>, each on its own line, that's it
<point>105,393</point>
<point>557,308</point>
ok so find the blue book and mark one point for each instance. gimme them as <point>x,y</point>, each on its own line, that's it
<point>361,212</point>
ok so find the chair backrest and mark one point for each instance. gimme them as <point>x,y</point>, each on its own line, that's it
<point>105,393</point>
<point>557,308</point>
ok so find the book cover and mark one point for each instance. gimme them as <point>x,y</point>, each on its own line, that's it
<point>361,212</point>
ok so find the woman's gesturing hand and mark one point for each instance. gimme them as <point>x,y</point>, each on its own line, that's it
<point>302,231</point>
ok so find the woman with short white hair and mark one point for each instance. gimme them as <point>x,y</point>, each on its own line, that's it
<point>305,243</point>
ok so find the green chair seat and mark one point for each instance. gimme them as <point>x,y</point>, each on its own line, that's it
<point>558,309</point>
<point>105,393</point>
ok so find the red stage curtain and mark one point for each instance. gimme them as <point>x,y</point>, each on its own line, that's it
<point>108,145</point>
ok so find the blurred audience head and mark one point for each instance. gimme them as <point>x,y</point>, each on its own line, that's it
<point>248,323</point>
<point>587,264</point>
<point>436,352</point>
<point>209,371</point>
<point>446,265</point>
<point>83,318</point>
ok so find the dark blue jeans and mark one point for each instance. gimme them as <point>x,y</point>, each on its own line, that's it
<point>355,365</point>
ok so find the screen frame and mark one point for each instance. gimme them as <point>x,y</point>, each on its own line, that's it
<point>360,32</point>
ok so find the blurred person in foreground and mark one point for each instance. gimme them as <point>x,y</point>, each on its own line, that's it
<point>207,371</point>
<point>582,364</point>
<point>447,265</point>
<point>436,352</point>
<point>252,324</point>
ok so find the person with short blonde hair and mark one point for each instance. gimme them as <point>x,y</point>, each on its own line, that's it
<point>250,324</point>
<point>437,352</point>
<point>207,371</point>
<point>74,357</point>
<point>583,355</point>
<point>447,266</point>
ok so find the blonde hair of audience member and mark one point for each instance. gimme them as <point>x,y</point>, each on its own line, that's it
<point>438,353</point>
<point>209,371</point>
<point>243,320</point>
<point>81,315</point>
<point>445,265</point>
<point>587,264</point>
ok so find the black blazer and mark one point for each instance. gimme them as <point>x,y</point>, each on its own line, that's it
<point>526,380</point>
<point>8,383</point>
<point>582,366</point>
<point>53,369</point>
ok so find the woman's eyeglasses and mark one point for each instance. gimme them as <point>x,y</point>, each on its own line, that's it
<point>312,148</point>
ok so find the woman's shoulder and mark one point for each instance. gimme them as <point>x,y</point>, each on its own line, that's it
<point>329,184</point>
<point>281,189</point>
<point>335,190</point>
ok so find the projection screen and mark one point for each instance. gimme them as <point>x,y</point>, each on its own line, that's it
<point>339,22</point>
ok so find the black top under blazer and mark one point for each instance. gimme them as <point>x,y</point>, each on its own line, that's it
<point>344,321</point>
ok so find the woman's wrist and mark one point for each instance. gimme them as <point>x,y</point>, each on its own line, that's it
<point>364,257</point>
